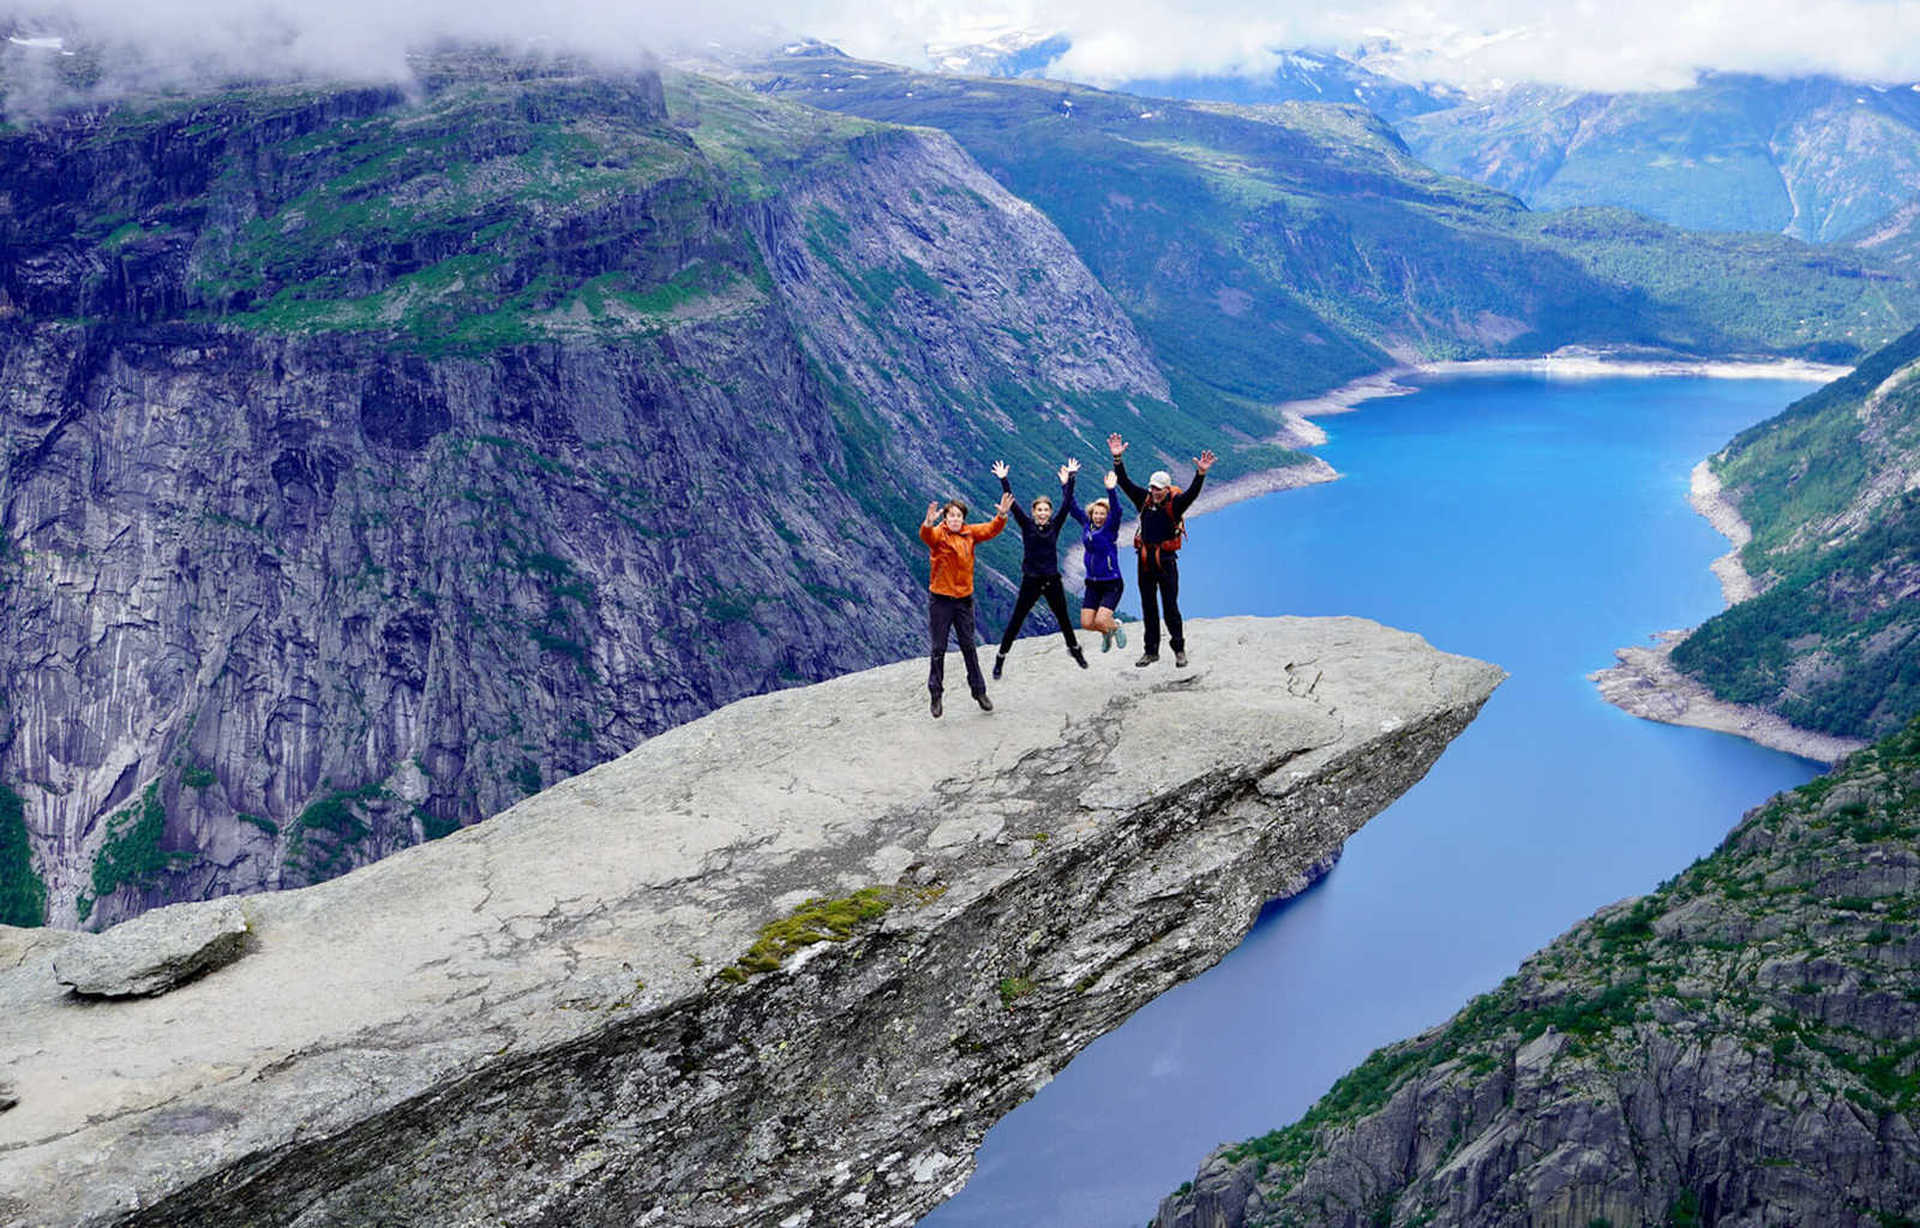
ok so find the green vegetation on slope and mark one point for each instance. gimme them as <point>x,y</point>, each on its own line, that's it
<point>23,896</point>
<point>1833,643</point>
<point>1270,252</point>
<point>1787,955</point>
<point>131,855</point>
<point>1816,158</point>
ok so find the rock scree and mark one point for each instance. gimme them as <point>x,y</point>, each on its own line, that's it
<point>782,965</point>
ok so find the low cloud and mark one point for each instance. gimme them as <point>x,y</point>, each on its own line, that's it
<point>1591,44</point>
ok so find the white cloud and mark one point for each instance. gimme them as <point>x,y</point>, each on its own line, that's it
<point>1594,44</point>
<point>1602,44</point>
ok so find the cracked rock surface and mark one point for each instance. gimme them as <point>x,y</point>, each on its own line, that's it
<point>533,1021</point>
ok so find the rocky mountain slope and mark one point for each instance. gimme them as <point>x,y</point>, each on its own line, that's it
<point>372,460</point>
<point>1738,1047</point>
<point>1830,490</point>
<point>781,965</point>
<point>1816,158</point>
<point>1268,252</point>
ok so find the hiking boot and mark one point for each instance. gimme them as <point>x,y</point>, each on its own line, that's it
<point>1119,635</point>
<point>936,706</point>
<point>1079,657</point>
<point>1106,641</point>
<point>999,663</point>
<point>1180,658</point>
<point>986,705</point>
<point>1147,658</point>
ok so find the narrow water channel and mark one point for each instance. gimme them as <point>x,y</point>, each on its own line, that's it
<point>1537,523</point>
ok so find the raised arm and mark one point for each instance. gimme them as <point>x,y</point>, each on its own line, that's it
<point>1000,470</point>
<point>1068,505</point>
<point>1115,509</point>
<point>926,526</point>
<point>1117,447</point>
<point>981,532</point>
<point>1201,464</point>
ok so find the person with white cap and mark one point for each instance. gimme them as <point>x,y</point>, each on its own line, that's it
<point>1162,531</point>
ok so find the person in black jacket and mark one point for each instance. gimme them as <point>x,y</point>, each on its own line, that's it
<point>1157,541</point>
<point>1040,563</point>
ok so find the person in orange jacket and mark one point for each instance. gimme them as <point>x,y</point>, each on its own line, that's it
<point>950,542</point>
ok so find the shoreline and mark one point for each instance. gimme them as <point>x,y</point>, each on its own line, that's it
<point>1570,363</point>
<point>1645,683</point>
<point>1300,432</point>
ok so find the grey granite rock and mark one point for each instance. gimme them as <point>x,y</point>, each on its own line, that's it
<point>155,951</point>
<point>1741,1047</point>
<point>547,1018</point>
<point>304,599</point>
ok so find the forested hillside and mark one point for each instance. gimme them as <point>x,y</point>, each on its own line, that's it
<point>1831,489</point>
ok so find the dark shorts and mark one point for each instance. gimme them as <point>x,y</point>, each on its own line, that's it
<point>1102,594</point>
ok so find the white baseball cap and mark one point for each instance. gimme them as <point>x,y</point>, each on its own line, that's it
<point>1160,478</point>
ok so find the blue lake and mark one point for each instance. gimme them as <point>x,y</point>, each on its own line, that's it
<point>1533,522</point>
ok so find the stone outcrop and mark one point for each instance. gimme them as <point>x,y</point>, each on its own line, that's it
<point>782,965</point>
<point>1741,1047</point>
<point>153,952</point>
<point>368,462</point>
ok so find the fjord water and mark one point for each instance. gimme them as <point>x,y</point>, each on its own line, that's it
<point>1537,523</point>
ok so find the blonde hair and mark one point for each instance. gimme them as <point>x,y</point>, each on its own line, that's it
<point>1106,503</point>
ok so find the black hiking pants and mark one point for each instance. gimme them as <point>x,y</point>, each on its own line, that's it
<point>952,616</point>
<point>1160,585</point>
<point>1032,589</point>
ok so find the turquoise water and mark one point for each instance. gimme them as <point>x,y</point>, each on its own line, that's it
<point>1535,523</point>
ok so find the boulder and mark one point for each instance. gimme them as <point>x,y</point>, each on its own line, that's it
<point>154,952</point>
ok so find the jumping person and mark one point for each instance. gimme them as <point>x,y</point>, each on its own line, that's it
<point>1039,562</point>
<point>1100,553</point>
<point>1157,540</point>
<point>950,542</point>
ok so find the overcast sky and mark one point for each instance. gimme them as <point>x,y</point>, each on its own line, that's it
<point>1598,44</point>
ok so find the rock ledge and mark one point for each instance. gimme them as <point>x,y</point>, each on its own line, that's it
<point>551,1018</point>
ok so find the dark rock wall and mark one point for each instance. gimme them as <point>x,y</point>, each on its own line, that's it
<point>322,593</point>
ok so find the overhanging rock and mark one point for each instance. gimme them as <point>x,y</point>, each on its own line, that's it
<point>560,1016</point>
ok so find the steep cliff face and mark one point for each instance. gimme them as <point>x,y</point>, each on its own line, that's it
<point>1830,492</point>
<point>1737,1048</point>
<point>782,965</point>
<point>372,461</point>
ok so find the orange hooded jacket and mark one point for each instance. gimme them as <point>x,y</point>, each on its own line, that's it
<point>951,554</point>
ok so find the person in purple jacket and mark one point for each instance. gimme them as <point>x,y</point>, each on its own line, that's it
<point>1100,554</point>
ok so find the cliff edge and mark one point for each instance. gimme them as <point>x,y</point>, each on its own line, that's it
<point>782,965</point>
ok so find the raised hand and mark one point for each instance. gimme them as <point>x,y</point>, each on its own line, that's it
<point>1000,469</point>
<point>1116,445</point>
<point>1204,461</point>
<point>933,514</point>
<point>1006,502</point>
<point>1062,473</point>
<point>1112,479</point>
<point>1072,465</point>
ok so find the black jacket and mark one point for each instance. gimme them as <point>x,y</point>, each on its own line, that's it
<point>1157,520</point>
<point>1040,556</point>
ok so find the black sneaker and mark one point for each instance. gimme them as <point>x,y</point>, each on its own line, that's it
<point>1147,658</point>
<point>936,705</point>
<point>1180,658</point>
<point>1079,656</point>
<point>999,663</point>
<point>986,705</point>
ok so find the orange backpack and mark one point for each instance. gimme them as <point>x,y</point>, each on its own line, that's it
<point>1172,544</point>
